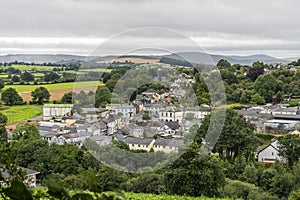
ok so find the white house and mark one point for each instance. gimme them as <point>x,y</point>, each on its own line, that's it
<point>277,125</point>
<point>153,109</point>
<point>51,111</point>
<point>167,145</point>
<point>199,112</point>
<point>171,114</point>
<point>124,110</point>
<point>113,123</point>
<point>140,143</point>
<point>270,153</point>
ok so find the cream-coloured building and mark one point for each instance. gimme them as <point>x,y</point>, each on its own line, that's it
<point>51,111</point>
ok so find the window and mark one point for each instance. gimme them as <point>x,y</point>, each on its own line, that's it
<point>139,145</point>
<point>272,153</point>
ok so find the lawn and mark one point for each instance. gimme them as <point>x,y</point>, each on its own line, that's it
<point>18,114</point>
<point>57,86</point>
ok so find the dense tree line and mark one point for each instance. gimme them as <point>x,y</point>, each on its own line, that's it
<point>252,84</point>
<point>234,174</point>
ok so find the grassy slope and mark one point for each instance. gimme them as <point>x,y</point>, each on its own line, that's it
<point>18,114</point>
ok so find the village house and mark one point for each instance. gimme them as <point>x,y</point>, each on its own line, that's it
<point>99,128</point>
<point>277,126</point>
<point>30,175</point>
<point>140,143</point>
<point>134,130</point>
<point>199,112</point>
<point>167,145</point>
<point>52,111</point>
<point>102,140</point>
<point>113,123</point>
<point>270,154</point>
<point>171,114</point>
<point>153,109</point>
<point>93,115</point>
<point>122,110</point>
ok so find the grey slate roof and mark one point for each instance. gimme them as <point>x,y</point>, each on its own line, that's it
<point>288,117</point>
<point>169,142</point>
<point>173,125</point>
<point>142,141</point>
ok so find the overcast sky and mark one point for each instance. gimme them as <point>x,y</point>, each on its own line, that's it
<point>219,26</point>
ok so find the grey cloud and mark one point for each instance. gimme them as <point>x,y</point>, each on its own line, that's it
<point>278,20</point>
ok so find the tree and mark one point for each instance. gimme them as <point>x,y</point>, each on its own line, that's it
<point>51,76</point>
<point>194,176</point>
<point>11,97</point>
<point>67,98</point>
<point>189,116</point>
<point>250,174</point>
<point>224,64</point>
<point>40,95</point>
<point>28,77</point>
<point>255,72</point>
<point>236,138</point>
<point>102,96</point>
<point>282,184</point>
<point>26,131</point>
<point>146,115</point>
<point>3,133</point>
<point>257,99</point>
<point>290,148</point>
<point>15,78</point>
<point>3,119</point>
<point>240,190</point>
<point>2,84</point>
<point>267,86</point>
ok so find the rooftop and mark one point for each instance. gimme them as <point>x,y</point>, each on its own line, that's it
<point>133,140</point>
<point>58,106</point>
<point>169,142</point>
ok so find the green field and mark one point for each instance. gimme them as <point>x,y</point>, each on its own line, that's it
<point>96,70</point>
<point>33,67</point>
<point>18,114</point>
<point>135,196</point>
<point>3,75</point>
<point>57,86</point>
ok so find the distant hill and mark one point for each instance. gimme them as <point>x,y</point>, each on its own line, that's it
<point>40,58</point>
<point>211,59</point>
<point>181,58</point>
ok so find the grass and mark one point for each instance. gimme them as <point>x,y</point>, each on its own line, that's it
<point>21,113</point>
<point>33,67</point>
<point>96,70</point>
<point>234,106</point>
<point>57,86</point>
<point>140,196</point>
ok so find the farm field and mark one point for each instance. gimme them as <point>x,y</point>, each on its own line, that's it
<point>21,113</point>
<point>96,70</point>
<point>57,90</point>
<point>57,86</point>
<point>33,67</point>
